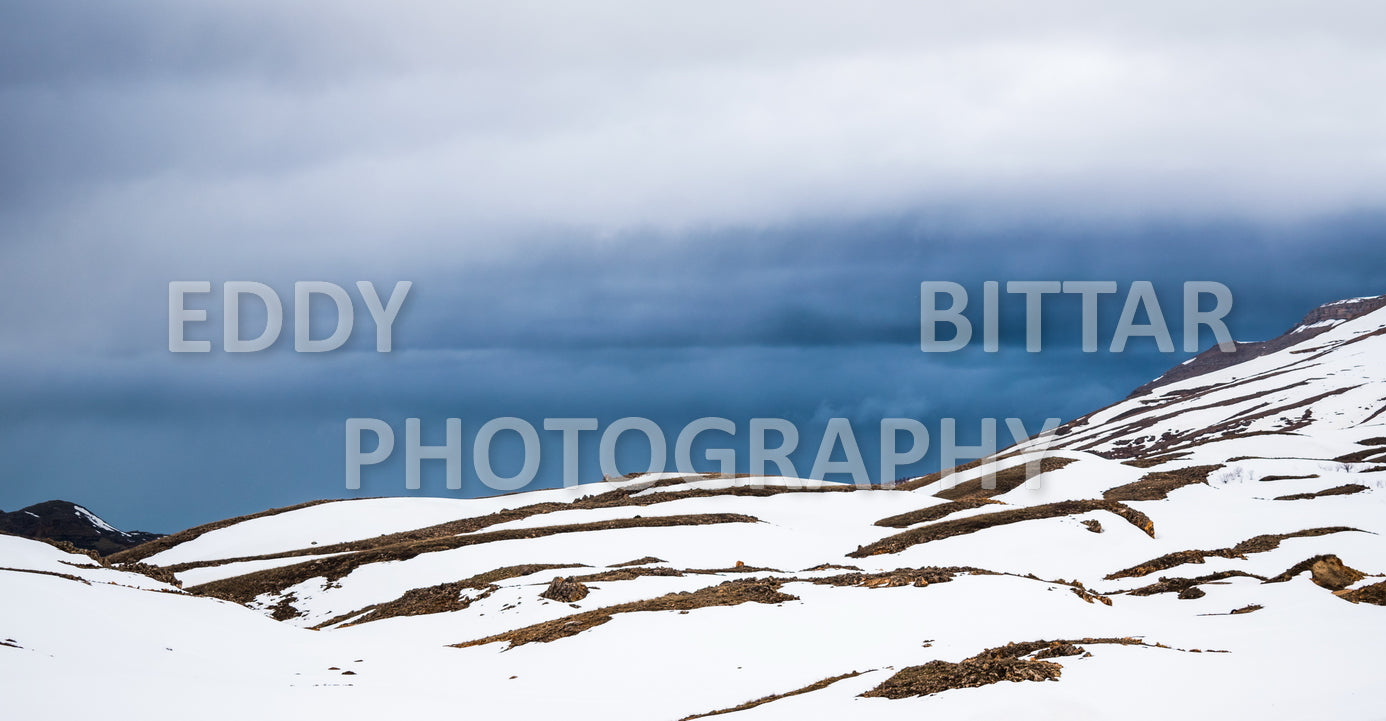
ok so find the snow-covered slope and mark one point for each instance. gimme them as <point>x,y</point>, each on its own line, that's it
<point>1210,548</point>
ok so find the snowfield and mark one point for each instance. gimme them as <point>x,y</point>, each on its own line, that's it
<point>1209,549</point>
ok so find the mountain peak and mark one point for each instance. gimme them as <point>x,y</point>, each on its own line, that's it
<point>59,520</point>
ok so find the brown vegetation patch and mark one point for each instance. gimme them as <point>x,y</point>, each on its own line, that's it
<point>157,573</point>
<point>1271,541</point>
<point>831,566</point>
<point>1255,544</point>
<point>1267,479</point>
<point>972,524</point>
<point>1374,594</point>
<point>1151,461</point>
<point>1362,456</point>
<point>1094,525</point>
<point>1001,481</point>
<point>933,513</point>
<point>1179,585</point>
<point>284,609</point>
<point>918,577</point>
<point>1012,662</point>
<point>740,567</point>
<point>1343,490</point>
<point>815,686</point>
<point>1157,485</point>
<point>627,574</point>
<point>241,589</point>
<point>442,598</point>
<point>638,562</point>
<point>730,593</point>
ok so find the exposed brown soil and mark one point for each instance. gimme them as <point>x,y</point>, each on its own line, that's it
<point>1255,544</point>
<point>1002,481</point>
<point>241,589</point>
<point>565,590</point>
<point>284,609</point>
<point>627,574</point>
<point>918,577</point>
<point>933,513</point>
<point>1374,594</point>
<point>1151,461</point>
<point>831,566</point>
<point>1266,479</point>
<point>638,562</point>
<point>1327,571</point>
<point>1012,662</point>
<point>937,676</point>
<point>815,686</point>
<point>1251,608</point>
<point>1343,490</point>
<point>157,573</point>
<point>442,598</point>
<point>1192,592</point>
<point>730,593</point>
<point>740,567</point>
<point>1362,456</point>
<point>1094,525</point>
<point>1179,585</point>
<point>1157,485</point>
<point>972,524</point>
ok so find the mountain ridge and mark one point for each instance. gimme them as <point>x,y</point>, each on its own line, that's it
<point>65,521</point>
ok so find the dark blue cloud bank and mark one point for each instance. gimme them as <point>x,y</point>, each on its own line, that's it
<point>624,213</point>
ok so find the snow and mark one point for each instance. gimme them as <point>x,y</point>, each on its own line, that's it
<point>22,553</point>
<point>93,520</point>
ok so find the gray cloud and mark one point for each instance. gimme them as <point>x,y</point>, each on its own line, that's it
<point>621,208</point>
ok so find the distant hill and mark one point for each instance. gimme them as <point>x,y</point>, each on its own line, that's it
<point>67,521</point>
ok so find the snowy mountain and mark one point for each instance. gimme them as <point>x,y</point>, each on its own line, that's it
<point>1210,547</point>
<point>64,521</point>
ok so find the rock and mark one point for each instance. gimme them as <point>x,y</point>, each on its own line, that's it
<point>1331,573</point>
<point>564,590</point>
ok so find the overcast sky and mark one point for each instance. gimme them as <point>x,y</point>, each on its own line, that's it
<point>609,209</point>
